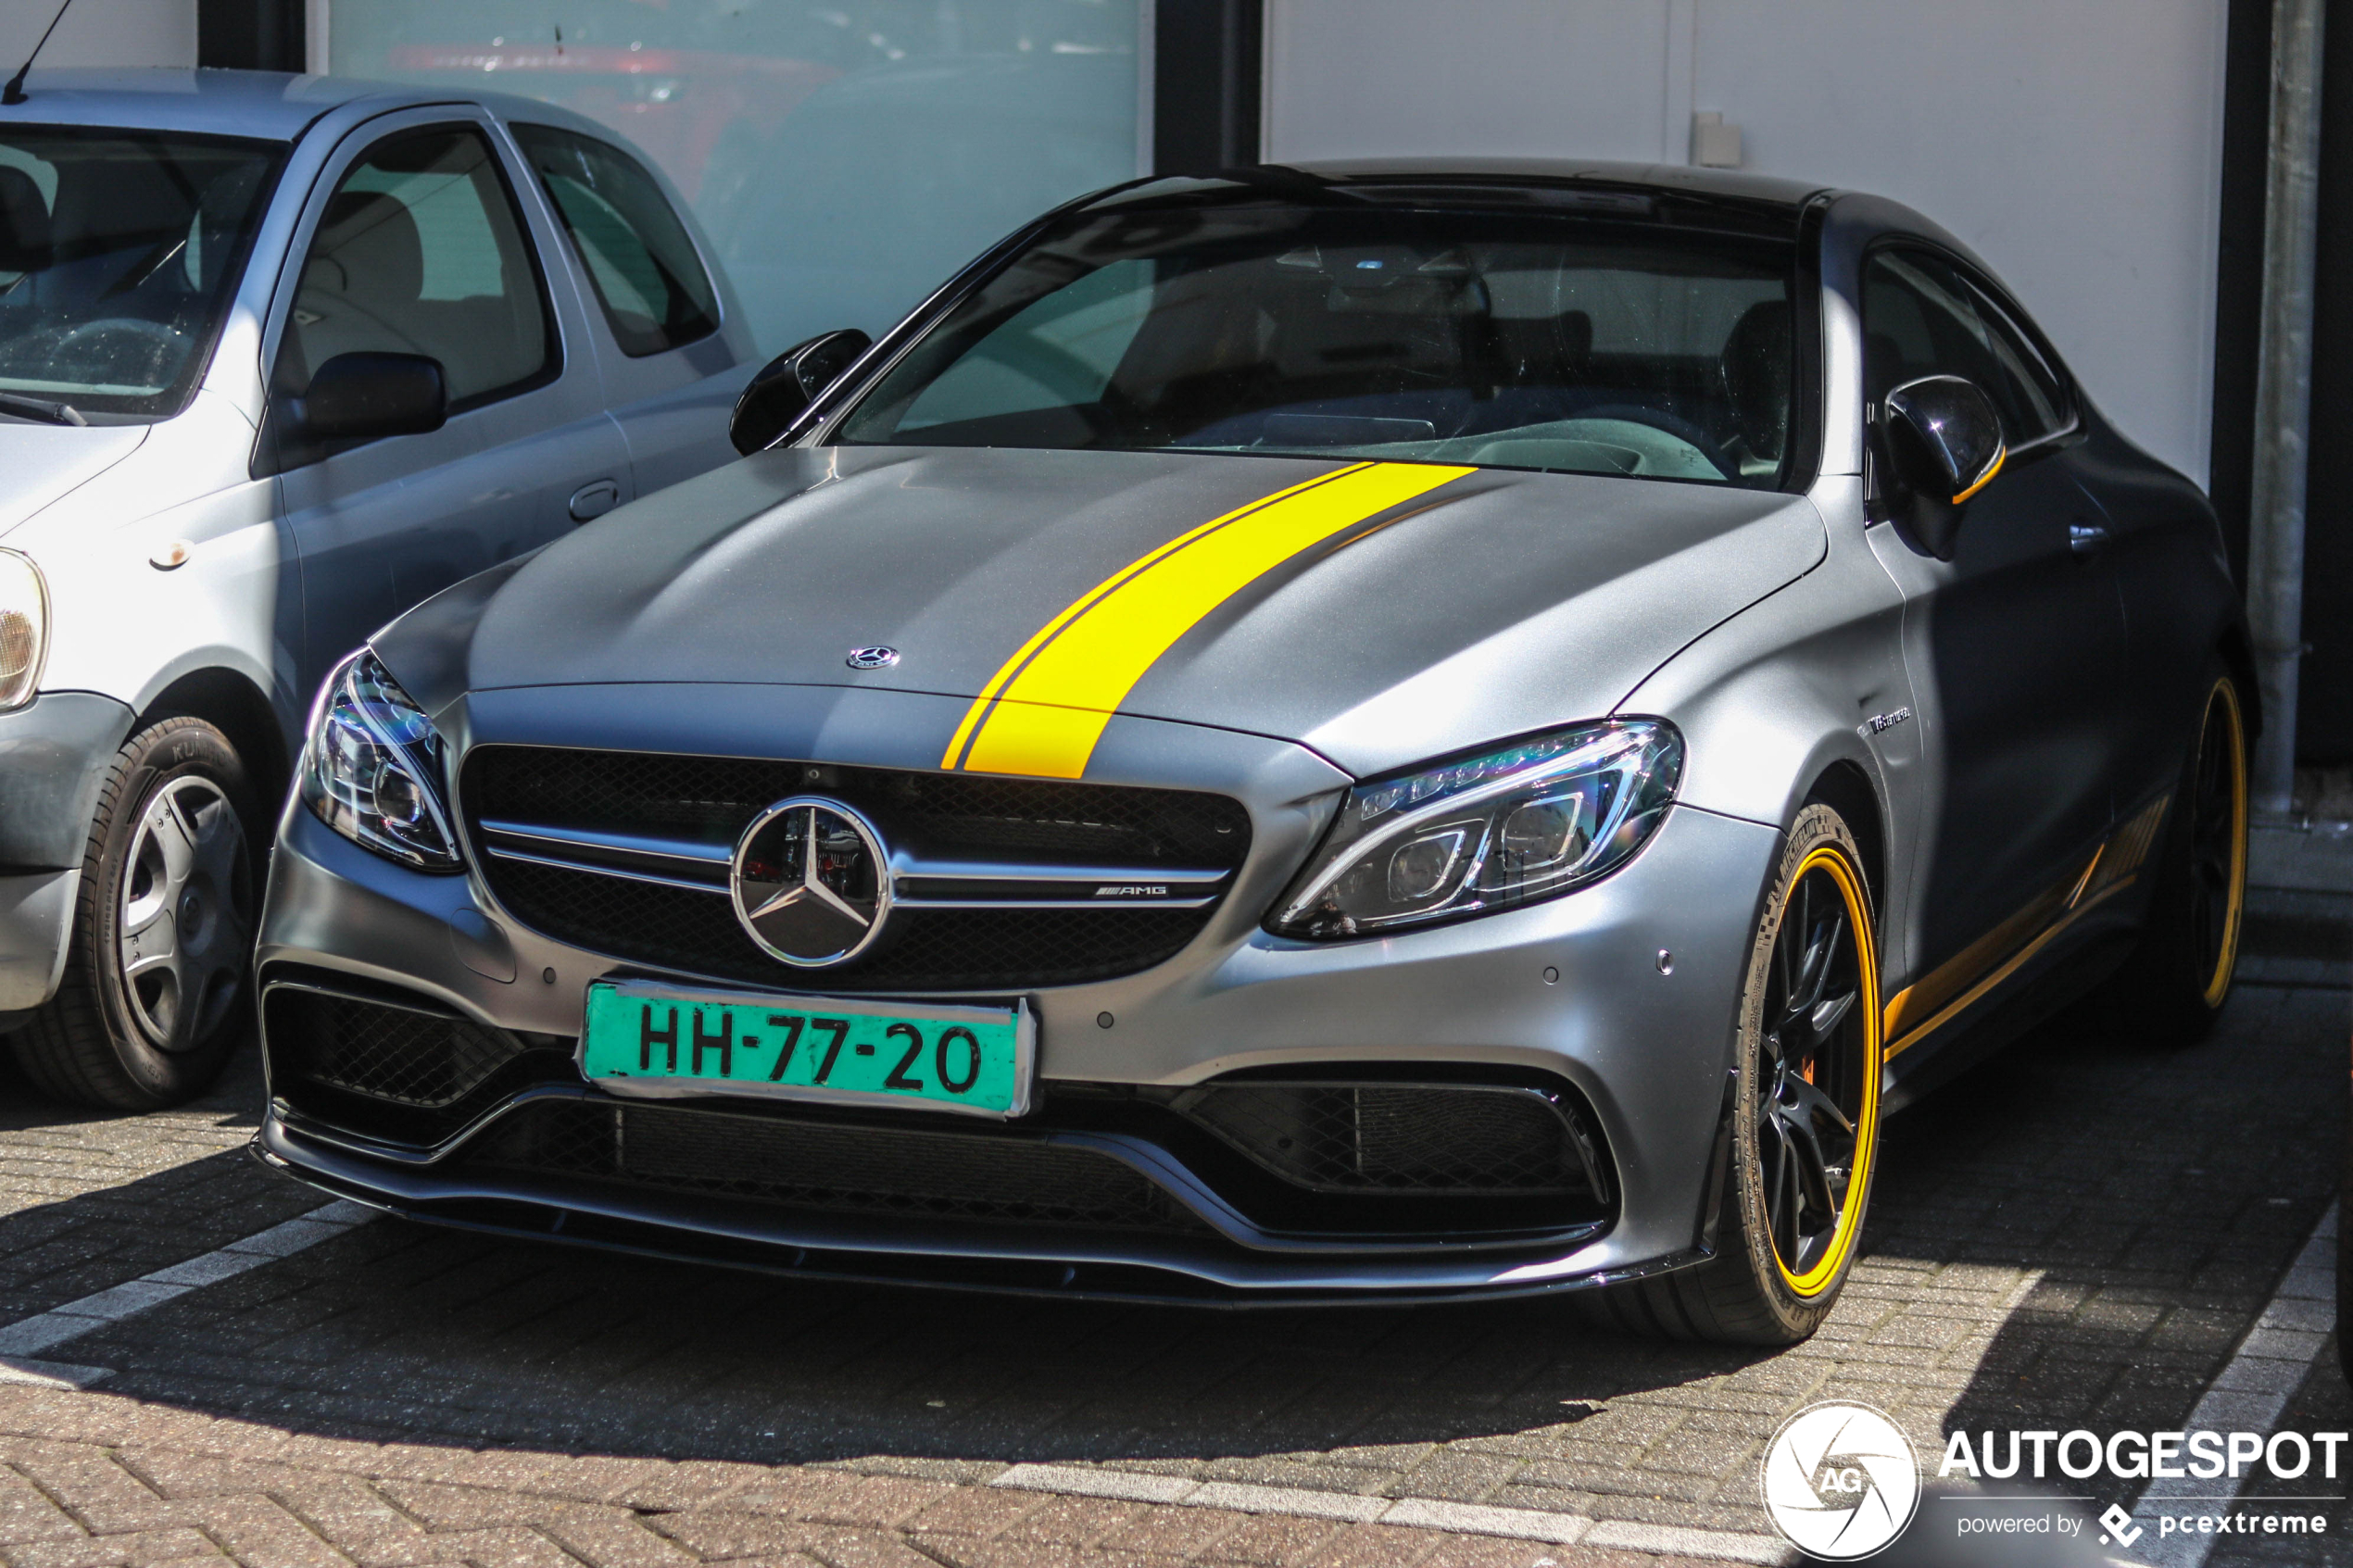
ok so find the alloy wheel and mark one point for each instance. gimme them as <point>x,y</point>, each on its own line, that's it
<point>186,913</point>
<point>1818,1065</point>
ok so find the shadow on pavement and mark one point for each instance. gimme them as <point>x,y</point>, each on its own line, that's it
<point>2073,1233</point>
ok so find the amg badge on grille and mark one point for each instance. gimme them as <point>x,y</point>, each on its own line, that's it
<point>811,882</point>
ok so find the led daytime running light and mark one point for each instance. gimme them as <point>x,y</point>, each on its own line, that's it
<point>1524,822</point>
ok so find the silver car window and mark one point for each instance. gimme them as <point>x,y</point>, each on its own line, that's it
<point>420,250</point>
<point>1505,341</point>
<point>118,252</point>
<point>636,251</point>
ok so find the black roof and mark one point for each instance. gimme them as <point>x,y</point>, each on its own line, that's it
<point>1756,203</point>
<point>1666,178</point>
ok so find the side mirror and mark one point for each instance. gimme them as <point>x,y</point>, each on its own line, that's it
<point>1945,443</point>
<point>363,397</point>
<point>785,387</point>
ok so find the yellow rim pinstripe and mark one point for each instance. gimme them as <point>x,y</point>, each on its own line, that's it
<point>1850,886</point>
<point>2217,984</point>
<point>1046,707</point>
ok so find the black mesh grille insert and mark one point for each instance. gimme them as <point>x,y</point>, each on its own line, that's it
<point>395,1069</point>
<point>822,1166</point>
<point>709,801</point>
<point>1424,1139</point>
<point>390,1053</point>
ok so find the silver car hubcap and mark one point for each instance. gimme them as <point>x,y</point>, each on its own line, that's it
<point>187,913</point>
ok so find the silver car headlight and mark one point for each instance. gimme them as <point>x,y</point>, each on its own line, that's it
<point>1529,820</point>
<point>372,769</point>
<point>24,628</point>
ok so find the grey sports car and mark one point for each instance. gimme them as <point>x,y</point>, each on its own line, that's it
<point>1373,732</point>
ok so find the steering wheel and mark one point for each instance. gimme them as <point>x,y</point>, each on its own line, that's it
<point>1665,423</point>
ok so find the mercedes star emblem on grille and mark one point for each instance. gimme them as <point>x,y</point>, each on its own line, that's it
<point>874,657</point>
<point>811,882</point>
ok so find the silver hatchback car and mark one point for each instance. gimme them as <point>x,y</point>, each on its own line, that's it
<point>279,357</point>
<point>1379,730</point>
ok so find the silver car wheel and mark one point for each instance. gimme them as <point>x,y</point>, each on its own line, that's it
<point>186,920</point>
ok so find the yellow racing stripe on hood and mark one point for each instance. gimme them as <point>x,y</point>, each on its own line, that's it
<point>1045,708</point>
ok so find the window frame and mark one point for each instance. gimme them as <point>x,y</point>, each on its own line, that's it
<point>1975,279</point>
<point>551,368</point>
<point>716,317</point>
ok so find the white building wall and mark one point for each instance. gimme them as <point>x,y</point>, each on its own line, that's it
<point>2077,147</point>
<point>100,33</point>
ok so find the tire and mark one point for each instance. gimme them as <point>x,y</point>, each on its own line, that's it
<point>171,860</point>
<point>1806,1114</point>
<point>2343,1263</point>
<point>2171,989</point>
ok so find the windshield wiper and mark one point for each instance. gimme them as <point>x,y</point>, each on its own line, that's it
<point>40,408</point>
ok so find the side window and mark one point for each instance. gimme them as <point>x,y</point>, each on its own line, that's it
<point>1921,319</point>
<point>420,251</point>
<point>636,253</point>
<point>2037,388</point>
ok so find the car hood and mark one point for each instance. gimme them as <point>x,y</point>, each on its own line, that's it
<point>1378,613</point>
<point>44,462</point>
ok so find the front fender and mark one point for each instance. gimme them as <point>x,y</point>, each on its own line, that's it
<point>1805,681</point>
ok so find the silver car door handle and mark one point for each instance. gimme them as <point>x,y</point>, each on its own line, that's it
<point>2084,538</point>
<point>595,500</point>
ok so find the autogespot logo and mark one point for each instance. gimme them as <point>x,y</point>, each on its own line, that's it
<point>1841,1481</point>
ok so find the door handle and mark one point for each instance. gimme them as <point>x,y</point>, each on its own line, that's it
<point>594,499</point>
<point>2086,538</point>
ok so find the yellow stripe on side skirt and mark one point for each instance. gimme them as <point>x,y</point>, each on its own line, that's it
<point>1042,713</point>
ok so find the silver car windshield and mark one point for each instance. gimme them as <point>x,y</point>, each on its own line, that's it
<point>1563,344</point>
<point>118,251</point>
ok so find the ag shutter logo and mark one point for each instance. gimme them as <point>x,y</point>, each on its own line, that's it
<point>1841,1481</point>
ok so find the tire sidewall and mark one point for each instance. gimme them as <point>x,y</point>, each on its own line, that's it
<point>1795,1316</point>
<point>152,758</point>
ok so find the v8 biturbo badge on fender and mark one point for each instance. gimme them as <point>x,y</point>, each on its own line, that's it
<point>811,882</point>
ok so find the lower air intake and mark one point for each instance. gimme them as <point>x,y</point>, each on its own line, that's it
<point>818,1166</point>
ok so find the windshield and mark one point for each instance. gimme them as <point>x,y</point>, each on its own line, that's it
<point>1560,343</point>
<point>119,250</point>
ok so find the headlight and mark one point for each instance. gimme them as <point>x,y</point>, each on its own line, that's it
<point>1489,832</point>
<point>24,628</point>
<point>372,768</point>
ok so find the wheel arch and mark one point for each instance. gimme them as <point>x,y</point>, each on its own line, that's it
<point>233,705</point>
<point>2238,656</point>
<point>1843,787</point>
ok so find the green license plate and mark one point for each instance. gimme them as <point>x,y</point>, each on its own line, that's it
<point>660,1040</point>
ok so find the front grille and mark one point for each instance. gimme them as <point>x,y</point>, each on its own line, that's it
<point>1457,1140</point>
<point>393,1066</point>
<point>834,1168</point>
<point>708,802</point>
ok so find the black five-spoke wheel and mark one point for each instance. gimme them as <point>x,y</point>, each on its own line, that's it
<point>1811,1096</point>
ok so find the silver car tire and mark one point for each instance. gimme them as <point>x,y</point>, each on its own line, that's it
<point>1806,1113</point>
<point>157,984</point>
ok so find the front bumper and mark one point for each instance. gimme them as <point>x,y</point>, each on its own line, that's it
<point>1645,1053</point>
<point>54,754</point>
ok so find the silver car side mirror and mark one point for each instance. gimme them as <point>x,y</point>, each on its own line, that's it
<point>1944,443</point>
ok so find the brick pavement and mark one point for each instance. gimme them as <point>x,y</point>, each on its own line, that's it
<point>2077,1233</point>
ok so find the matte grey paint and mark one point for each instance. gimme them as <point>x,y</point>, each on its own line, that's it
<point>1768,628</point>
<point>956,556</point>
